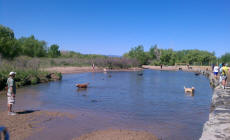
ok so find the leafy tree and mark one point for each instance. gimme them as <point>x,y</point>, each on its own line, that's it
<point>195,57</point>
<point>157,56</point>
<point>225,58</point>
<point>168,57</point>
<point>154,53</point>
<point>32,47</point>
<point>53,51</point>
<point>8,44</point>
<point>139,54</point>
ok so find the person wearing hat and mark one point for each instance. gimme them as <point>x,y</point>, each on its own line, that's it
<point>11,92</point>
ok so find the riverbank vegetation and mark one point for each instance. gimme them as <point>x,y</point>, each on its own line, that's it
<point>156,56</point>
<point>31,50</point>
<point>27,73</point>
<point>37,51</point>
<point>28,55</point>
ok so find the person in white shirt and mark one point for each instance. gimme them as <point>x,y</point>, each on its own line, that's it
<point>216,70</point>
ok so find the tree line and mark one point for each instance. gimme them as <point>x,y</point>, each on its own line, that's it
<point>25,51</point>
<point>156,56</point>
<point>11,47</point>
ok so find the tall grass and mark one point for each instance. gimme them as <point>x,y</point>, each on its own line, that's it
<point>110,62</point>
<point>28,68</point>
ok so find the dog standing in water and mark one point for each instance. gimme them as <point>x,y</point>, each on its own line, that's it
<point>189,90</point>
<point>82,85</point>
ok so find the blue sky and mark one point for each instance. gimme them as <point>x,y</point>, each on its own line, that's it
<point>112,27</point>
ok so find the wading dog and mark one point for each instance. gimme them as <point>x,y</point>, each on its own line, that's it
<point>82,85</point>
<point>190,90</point>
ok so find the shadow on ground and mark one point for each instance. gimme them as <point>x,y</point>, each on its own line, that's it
<point>27,111</point>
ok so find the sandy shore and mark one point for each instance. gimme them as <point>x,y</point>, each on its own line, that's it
<point>28,122</point>
<point>68,70</point>
<point>113,134</point>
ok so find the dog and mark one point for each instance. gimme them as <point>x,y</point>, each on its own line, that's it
<point>190,90</point>
<point>140,74</point>
<point>82,85</point>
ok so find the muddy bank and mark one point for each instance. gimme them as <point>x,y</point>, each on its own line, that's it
<point>68,70</point>
<point>111,134</point>
<point>29,122</point>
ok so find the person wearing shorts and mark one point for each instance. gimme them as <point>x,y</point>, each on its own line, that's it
<point>11,92</point>
<point>215,71</point>
<point>224,77</point>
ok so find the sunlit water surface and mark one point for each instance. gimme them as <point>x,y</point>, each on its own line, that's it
<point>154,102</point>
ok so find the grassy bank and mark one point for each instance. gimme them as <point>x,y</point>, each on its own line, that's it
<point>108,62</point>
<point>29,69</point>
<point>35,63</point>
<point>26,75</point>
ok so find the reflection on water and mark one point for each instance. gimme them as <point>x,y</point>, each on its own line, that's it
<point>154,101</point>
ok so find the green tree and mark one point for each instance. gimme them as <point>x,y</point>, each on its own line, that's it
<point>152,52</point>
<point>168,57</point>
<point>195,57</point>
<point>8,44</point>
<point>32,47</point>
<point>139,54</point>
<point>53,51</point>
<point>225,58</point>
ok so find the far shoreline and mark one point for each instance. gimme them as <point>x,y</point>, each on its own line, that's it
<point>84,69</point>
<point>179,68</point>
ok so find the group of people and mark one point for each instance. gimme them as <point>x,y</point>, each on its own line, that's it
<point>223,70</point>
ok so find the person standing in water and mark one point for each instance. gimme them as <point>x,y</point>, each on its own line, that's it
<point>11,92</point>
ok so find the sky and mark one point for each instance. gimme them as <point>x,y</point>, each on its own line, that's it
<point>113,27</point>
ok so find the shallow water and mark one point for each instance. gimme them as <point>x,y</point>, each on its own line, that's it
<point>154,102</point>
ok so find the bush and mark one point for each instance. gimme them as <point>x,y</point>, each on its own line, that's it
<point>53,51</point>
<point>26,75</point>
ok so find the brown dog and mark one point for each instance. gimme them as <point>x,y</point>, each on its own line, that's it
<point>191,90</point>
<point>82,85</point>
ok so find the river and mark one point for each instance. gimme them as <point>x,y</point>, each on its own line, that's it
<point>154,102</point>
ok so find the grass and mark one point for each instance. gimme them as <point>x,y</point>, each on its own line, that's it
<point>23,62</point>
<point>27,73</point>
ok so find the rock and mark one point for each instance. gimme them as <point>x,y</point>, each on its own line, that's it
<point>218,125</point>
<point>56,76</point>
